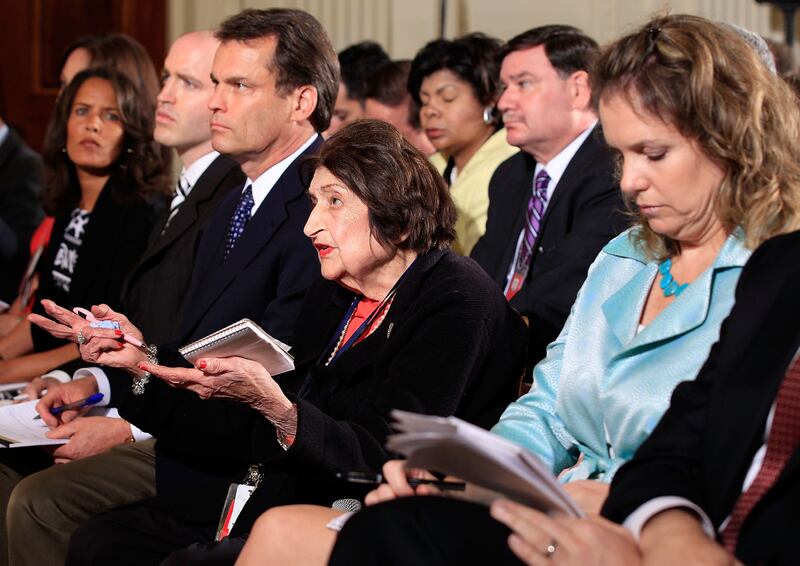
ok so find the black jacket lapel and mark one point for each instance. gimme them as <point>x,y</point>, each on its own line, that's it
<point>187,215</point>
<point>271,214</point>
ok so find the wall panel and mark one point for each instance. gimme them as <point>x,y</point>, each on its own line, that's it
<point>34,33</point>
<point>403,26</point>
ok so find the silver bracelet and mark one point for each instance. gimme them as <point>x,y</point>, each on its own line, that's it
<point>137,386</point>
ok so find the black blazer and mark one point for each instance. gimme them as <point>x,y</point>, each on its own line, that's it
<point>113,242</point>
<point>265,278</point>
<point>267,273</point>
<point>450,344</point>
<point>705,443</point>
<point>582,216</point>
<point>20,212</point>
<point>157,286</point>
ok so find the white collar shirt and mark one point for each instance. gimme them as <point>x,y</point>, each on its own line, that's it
<point>263,185</point>
<point>555,170</point>
<point>555,167</point>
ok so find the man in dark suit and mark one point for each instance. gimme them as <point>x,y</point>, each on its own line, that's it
<point>156,288</point>
<point>555,204</point>
<point>706,472</point>
<point>20,212</point>
<point>273,93</point>
<point>153,296</point>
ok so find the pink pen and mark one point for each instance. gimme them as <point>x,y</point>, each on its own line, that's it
<point>80,311</point>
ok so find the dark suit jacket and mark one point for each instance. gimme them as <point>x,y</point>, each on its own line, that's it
<point>582,216</point>
<point>20,212</point>
<point>113,242</point>
<point>264,278</point>
<point>267,273</point>
<point>157,286</point>
<point>450,344</point>
<point>705,443</point>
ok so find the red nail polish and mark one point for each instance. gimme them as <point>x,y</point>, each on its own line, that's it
<point>118,332</point>
<point>202,364</point>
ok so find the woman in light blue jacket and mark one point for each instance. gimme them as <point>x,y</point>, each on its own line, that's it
<point>606,381</point>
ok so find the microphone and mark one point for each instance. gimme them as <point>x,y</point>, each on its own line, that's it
<point>347,505</point>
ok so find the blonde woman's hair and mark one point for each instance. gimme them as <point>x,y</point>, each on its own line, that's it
<point>706,81</point>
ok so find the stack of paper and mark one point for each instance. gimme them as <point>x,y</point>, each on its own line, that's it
<point>19,427</point>
<point>454,447</point>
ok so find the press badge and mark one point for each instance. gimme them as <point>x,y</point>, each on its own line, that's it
<point>238,494</point>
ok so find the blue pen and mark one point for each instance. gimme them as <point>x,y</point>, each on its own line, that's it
<point>92,400</point>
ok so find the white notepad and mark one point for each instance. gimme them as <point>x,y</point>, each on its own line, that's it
<point>245,339</point>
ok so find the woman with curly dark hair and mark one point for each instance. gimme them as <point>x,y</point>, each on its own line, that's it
<point>104,176</point>
<point>456,85</point>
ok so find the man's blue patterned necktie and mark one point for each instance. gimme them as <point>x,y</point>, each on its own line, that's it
<point>239,219</point>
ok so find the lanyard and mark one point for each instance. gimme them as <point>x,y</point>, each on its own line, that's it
<point>356,336</point>
<point>306,386</point>
<point>364,325</point>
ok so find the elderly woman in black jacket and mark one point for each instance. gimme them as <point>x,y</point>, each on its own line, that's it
<point>398,321</point>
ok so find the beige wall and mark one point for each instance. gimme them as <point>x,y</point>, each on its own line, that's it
<point>403,26</point>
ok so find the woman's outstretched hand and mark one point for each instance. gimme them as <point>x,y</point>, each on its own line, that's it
<point>97,345</point>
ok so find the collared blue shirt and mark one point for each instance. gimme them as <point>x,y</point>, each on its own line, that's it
<point>604,386</point>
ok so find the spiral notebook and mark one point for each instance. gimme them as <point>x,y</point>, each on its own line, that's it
<point>245,339</point>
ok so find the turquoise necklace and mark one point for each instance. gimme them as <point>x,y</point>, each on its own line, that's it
<point>668,284</point>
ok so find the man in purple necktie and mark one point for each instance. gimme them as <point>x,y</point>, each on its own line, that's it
<point>556,203</point>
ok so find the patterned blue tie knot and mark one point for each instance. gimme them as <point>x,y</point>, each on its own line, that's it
<point>239,219</point>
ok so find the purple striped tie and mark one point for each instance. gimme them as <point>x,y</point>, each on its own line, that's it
<point>533,219</point>
<point>533,223</point>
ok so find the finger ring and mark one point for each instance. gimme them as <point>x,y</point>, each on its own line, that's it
<point>551,548</point>
<point>81,337</point>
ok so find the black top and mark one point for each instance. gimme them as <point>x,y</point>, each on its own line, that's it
<point>155,291</point>
<point>449,344</point>
<point>112,242</point>
<point>67,255</point>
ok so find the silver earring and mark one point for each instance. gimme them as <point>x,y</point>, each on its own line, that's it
<point>129,150</point>
<point>63,150</point>
<point>488,115</point>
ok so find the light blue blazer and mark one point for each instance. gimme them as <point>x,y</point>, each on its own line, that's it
<point>603,386</point>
